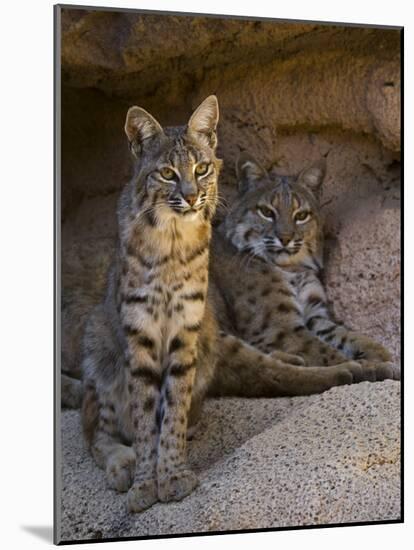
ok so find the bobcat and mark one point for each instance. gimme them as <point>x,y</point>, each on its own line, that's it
<point>164,337</point>
<point>273,236</point>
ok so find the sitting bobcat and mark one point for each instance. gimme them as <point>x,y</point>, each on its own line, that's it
<point>153,349</point>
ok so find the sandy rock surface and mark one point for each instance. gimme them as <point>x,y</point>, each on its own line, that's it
<point>262,463</point>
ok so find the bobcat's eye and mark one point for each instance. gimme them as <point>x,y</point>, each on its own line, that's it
<point>167,173</point>
<point>201,169</point>
<point>302,217</point>
<point>265,212</point>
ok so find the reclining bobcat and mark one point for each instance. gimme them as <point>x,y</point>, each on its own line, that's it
<point>153,349</point>
<point>273,236</point>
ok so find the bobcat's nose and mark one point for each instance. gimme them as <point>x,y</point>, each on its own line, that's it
<point>285,239</point>
<point>191,198</point>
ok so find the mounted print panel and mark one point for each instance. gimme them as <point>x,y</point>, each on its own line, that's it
<point>228,213</point>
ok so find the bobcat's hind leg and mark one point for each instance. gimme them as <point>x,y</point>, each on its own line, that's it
<point>245,371</point>
<point>71,392</point>
<point>99,425</point>
<point>288,358</point>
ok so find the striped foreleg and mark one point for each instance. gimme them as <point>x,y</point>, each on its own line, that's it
<point>175,479</point>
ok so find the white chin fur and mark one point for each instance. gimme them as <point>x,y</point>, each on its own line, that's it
<point>189,217</point>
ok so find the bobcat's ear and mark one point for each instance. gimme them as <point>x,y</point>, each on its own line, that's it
<point>140,126</point>
<point>313,176</point>
<point>204,121</point>
<point>249,172</point>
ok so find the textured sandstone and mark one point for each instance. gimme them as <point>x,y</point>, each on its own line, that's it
<point>287,74</point>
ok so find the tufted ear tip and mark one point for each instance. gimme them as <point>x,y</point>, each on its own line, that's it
<point>212,100</point>
<point>248,171</point>
<point>210,107</point>
<point>314,175</point>
<point>139,126</point>
<point>204,120</point>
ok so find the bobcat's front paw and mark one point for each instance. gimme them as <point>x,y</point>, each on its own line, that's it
<point>376,371</point>
<point>142,495</point>
<point>176,486</point>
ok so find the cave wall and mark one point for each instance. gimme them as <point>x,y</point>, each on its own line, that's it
<point>288,93</point>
